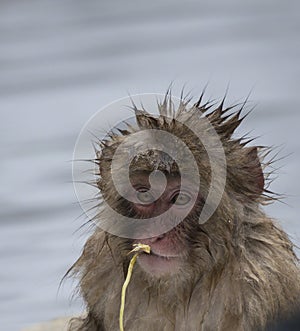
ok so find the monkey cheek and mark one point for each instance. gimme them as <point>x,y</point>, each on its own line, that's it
<point>158,265</point>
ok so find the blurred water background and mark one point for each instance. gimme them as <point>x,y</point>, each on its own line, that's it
<point>62,60</point>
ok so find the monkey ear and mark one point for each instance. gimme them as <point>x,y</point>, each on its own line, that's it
<point>255,180</point>
<point>245,175</point>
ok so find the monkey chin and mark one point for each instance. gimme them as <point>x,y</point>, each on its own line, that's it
<point>159,265</point>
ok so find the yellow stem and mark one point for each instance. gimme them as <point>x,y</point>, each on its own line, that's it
<point>138,248</point>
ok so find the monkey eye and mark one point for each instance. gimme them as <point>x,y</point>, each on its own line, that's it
<point>145,196</point>
<point>181,199</point>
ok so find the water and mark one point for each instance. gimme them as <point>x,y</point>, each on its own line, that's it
<point>63,60</point>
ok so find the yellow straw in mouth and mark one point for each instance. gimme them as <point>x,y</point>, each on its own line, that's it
<point>138,248</point>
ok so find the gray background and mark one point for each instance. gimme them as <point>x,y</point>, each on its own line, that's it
<point>61,61</point>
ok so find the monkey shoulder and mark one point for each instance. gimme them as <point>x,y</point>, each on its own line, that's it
<point>269,271</point>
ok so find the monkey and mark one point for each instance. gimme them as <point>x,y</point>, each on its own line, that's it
<point>234,269</point>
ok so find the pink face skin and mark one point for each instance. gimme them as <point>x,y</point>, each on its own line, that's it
<point>167,249</point>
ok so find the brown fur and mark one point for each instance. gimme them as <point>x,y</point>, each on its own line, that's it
<point>240,270</point>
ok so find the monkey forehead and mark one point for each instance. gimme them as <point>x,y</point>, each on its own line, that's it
<point>152,160</point>
<point>141,176</point>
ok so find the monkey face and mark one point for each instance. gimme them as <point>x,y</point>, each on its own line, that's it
<point>168,250</point>
<point>154,200</point>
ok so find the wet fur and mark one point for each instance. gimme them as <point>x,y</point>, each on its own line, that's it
<point>240,270</point>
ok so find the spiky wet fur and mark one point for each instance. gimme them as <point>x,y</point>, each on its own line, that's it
<point>240,270</point>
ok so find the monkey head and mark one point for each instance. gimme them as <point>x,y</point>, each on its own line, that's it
<point>157,178</point>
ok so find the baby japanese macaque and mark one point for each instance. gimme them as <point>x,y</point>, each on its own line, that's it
<point>217,261</point>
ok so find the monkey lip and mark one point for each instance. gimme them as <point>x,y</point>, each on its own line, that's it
<point>164,256</point>
<point>159,264</point>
